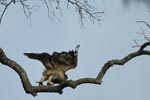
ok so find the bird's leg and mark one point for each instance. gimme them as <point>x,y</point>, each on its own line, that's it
<point>50,81</point>
<point>41,80</point>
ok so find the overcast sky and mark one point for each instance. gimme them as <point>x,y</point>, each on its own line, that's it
<point>112,39</point>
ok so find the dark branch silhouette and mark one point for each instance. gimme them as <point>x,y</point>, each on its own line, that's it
<point>69,83</point>
<point>6,7</point>
<point>84,9</point>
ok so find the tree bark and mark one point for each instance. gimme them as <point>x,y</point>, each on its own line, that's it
<point>33,90</point>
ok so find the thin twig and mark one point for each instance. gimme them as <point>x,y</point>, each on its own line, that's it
<point>1,17</point>
<point>144,23</point>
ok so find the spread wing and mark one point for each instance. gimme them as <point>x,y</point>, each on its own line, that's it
<point>60,61</point>
<point>65,60</point>
<point>45,58</point>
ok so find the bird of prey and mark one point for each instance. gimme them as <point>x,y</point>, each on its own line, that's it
<point>56,65</point>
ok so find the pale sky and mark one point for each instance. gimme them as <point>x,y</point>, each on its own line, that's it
<point>112,39</point>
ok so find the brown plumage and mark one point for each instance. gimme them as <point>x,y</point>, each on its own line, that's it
<point>56,64</point>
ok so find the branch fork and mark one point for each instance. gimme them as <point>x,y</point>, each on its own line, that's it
<point>33,90</point>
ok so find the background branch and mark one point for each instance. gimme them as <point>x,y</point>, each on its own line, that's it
<point>144,23</point>
<point>6,6</point>
<point>69,83</point>
<point>84,9</point>
<point>145,35</point>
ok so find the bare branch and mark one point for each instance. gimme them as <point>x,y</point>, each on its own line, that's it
<point>137,44</point>
<point>144,46</point>
<point>35,89</point>
<point>19,70</point>
<point>85,9</point>
<point>145,35</point>
<point>53,7</point>
<point>6,6</point>
<point>69,83</point>
<point>144,23</point>
<point>130,56</point>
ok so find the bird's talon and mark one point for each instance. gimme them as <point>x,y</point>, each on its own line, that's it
<point>39,82</point>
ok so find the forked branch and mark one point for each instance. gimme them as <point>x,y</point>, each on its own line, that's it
<point>83,7</point>
<point>69,83</point>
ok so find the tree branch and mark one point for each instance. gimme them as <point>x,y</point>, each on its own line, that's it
<point>6,6</point>
<point>33,90</point>
<point>130,56</point>
<point>19,70</point>
<point>82,7</point>
<point>144,23</point>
